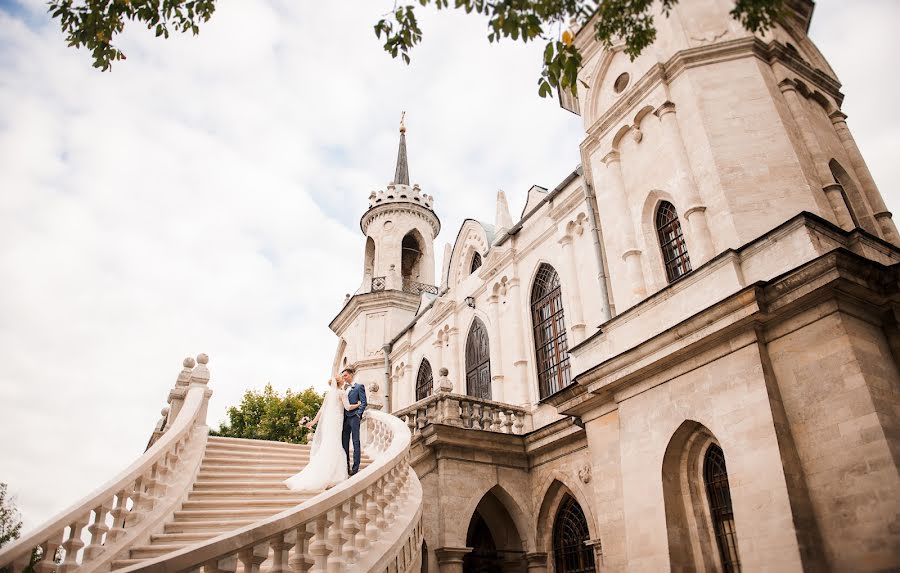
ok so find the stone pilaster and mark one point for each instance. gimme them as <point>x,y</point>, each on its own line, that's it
<point>631,255</point>
<point>450,559</point>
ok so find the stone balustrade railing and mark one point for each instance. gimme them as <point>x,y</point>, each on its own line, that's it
<point>88,536</point>
<point>369,523</point>
<point>465,412</point>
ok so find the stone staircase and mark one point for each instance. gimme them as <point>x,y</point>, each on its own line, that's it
<point>239,483</point>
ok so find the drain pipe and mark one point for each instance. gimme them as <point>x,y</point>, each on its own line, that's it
<point>590,201</point>
<point>387,376</point>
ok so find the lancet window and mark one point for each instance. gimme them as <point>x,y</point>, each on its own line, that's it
<point>719,494</point>
<point>671,242</point>
<point>570,531</point>
<point>550,342</point>
<point>476,262</point>
<point>424,380</point>
<point>478,362</point>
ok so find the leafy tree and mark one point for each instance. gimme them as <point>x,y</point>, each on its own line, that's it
<point>10,518</point>
<point>268,415</point>
<point>93,24</point>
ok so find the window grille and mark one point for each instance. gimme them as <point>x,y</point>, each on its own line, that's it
<point>570,531</point>
<point>716,477</point>
<point>671,242</point>
<point>550,342</point>
<point>424,381</point>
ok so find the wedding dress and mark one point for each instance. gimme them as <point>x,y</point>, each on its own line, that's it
<point>327,461</point>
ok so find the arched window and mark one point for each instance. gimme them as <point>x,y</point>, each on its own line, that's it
<point>424,381</point>
<point>550,344</point>
<point>478,362</point>
<point>716,477</point>
<point>848,186</point>
<point>411,256</point>
<point>570,531</point>
<point>671,242</point>
<point>476,262</point>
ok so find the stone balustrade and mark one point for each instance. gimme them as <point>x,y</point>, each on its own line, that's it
<point>465,412</point>
<point>90,534</point>
<point>371,522</point>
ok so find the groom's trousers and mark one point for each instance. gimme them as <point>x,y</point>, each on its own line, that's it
<point>351,429</point>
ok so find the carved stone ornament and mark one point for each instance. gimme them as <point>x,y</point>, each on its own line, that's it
<point>584,474</point>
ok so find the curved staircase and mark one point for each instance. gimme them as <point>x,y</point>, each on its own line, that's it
<point>195,502</point>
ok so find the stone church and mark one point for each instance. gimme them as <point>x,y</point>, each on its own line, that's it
<point>683,357</point>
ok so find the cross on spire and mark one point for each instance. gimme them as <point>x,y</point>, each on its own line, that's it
<point>401,174</point>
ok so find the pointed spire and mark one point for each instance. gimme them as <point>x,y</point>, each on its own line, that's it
<point>401,175</point>
<point>503,220</point>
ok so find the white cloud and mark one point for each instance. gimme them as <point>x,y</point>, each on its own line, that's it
<point>205,196</point>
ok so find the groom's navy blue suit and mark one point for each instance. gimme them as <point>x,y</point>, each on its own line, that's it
<point>356,395</point>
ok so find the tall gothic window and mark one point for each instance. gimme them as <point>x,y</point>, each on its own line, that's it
<point>424,381</point>
<point>671,241</point>
<point>570,531</point>
<point>478,362</point>
<point>550,344</point>
<point>716,477</point>
<point>476,262</point>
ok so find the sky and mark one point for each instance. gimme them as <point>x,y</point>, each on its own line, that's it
<point>205,196</point>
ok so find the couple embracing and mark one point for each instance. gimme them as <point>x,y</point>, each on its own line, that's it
<point>338,422</point>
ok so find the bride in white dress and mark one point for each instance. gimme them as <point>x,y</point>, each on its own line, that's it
<point>327,465</point>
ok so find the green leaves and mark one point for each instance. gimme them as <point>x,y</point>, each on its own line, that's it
<point>267,415</point>
<point>10,518</point>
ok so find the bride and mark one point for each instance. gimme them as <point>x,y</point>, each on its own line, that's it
<point>327,465</point>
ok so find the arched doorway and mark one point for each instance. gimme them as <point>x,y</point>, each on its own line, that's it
<point>494,537</point>
<point>570,532</point>
<point>478,362</point>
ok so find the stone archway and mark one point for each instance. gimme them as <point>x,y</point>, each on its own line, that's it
<point>497,546</point>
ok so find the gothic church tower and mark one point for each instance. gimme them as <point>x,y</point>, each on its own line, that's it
<point>400,226</point>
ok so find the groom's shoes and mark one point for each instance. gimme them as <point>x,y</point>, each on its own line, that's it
<point>353,473</point>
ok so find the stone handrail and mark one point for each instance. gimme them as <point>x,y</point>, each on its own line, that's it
<point>371,522</point>
<point>464,412</point>
<point>115,513</point>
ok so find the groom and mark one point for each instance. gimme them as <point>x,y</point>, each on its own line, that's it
<point>356,393</point>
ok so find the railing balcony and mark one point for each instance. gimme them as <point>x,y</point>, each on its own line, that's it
<point>418,288</point>
<point>465,412</point>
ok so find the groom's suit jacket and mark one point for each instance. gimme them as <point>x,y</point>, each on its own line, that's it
<point>356,394</point>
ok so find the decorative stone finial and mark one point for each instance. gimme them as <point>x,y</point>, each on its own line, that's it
<point>188,362</point>
<point>184,377</point>
<point>202,358</point>
<point>200,374</point>
<point>164,411</point>
<point>402,126</point>
<point>443,383</point>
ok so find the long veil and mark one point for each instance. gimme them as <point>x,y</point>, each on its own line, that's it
<point>327,464</point>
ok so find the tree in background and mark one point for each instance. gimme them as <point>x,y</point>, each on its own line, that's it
<point>10,518</point>
<point>94,24</point>
<point>268,415</point>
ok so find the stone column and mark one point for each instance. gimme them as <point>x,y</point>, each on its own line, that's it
<point>686,188</point>
<point>821,174</point>
<point>838,202</point>
<point>573,313</point>
<point>536,562</point>
<point>439,351</point>
<point>630,253</point>
<point>459,376</point>
<point>450,559</point>
<point>497,393</point>
<point>876,201</point>
<point>520,362</point>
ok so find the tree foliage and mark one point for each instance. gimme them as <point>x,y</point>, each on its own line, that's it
<point>93,24</point>
<point>10,518</point>
<point>267,415</point>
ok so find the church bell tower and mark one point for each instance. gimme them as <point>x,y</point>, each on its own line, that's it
<point>399,226</point>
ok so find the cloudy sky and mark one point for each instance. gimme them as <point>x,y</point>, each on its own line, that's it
<point>205,196</point>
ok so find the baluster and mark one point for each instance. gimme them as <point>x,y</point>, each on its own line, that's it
<point>299,561</point>
<point>252,557</point>
<point>221,565</point>
<point>154,486</point>
<point>364,517</point>
<point>118,514</point>
<point>389,498</point>
<point>319,547</point>
<point>280,546</point>
<point>465,413</point>
<point>495,419</point>
<point>351,529</point>
<point>431,411</point>
<point>72,545</point>
<point>137,502</point>
<point>96,529</point>
<point>381,501</point>
<point>520,422</point>
<point>421,421</point>
<point>410,420</point>
<point>336,540</point>
<point>508,421</point>
<point>47,563</point>
<point>477,417</point>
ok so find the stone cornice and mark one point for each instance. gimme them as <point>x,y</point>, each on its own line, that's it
<point>378,300</point>
<point>664,73</point>
<point>423,213</point>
